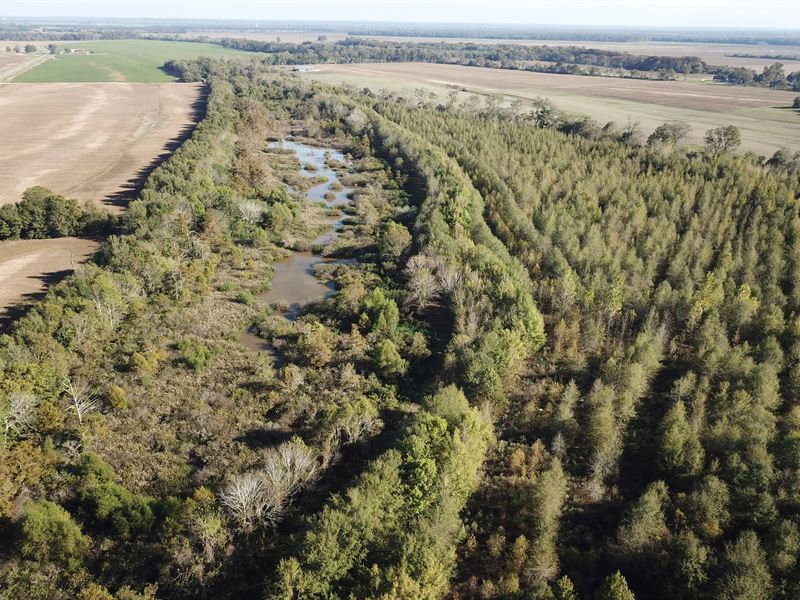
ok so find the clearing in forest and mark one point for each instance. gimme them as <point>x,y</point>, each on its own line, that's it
<point>89,141</point>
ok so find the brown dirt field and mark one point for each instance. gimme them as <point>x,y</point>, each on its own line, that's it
<point>292,37</point>
<point>10,60</point>
<point>763,116</point>
<point>679,94</point>
<point>89,141</point>
<point>28,267</point>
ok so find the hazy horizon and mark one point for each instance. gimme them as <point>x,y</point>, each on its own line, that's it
<point>771,14</point>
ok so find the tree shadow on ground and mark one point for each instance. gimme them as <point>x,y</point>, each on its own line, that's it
<point>10,314</point>
<point>17,310</point>
<point>131,188</point>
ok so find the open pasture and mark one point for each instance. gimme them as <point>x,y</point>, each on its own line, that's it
<point>132,61</point>
<point>764,117</point>
<point>89,141</point>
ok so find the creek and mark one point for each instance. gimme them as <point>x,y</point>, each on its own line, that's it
<point>295,282</point>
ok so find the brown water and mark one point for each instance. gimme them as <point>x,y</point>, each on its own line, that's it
<point>295,282</point>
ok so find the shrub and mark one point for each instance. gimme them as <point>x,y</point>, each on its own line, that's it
<point>50,535</point>
<point>195,353</point>
<point>246,298</point>
<point>109,504</point>
<point>117,397</point>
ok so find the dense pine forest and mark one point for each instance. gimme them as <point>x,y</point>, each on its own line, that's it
<point>557,364</point>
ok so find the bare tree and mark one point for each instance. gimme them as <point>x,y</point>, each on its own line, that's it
<point>82,326</point>
<point>20,414</point>
<point>107,308</point>
<point>430,277</point>
<point>288,468</point>
<point>251,211</point>
<point>82,399</point>
<point>246,499</point>
<point>631,133</point>
<point>450,278</point>
<point>260,497</point>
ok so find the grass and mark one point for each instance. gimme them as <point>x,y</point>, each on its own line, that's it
<point>133,61</point>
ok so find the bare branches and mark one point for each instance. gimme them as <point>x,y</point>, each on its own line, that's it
<point>252,211</point>
<point>358,426</point>
<point>20,414</point>
<point>430,278</point>
<point>82,400</point>
<point>260,497</point>
<point>247,500</point>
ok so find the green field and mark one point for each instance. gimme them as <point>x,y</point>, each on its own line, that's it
<point>135,61</point>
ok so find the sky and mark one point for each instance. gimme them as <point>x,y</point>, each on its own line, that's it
<point>780,14</point>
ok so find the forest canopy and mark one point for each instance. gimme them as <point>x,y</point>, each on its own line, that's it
<point>556,363</point>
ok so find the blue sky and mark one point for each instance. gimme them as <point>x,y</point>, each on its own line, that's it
<point>699,13</point>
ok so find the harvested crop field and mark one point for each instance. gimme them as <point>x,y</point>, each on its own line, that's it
<point>268,35</point>
<point>90,141</point>
<point>27,267</point>
<point>764,117</point>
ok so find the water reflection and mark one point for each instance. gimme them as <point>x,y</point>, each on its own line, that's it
<point>295,282</point>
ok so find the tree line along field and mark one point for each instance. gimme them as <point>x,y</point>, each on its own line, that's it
<point>764,116</point>
<point>132,61</point>
<point>712,53</point>
<point>93,142</point>
<point>554,366</point>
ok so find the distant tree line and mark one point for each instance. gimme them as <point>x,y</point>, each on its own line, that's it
<point>773,76</point>
<point>354,50</point>
<point>76,36</point>
<point>599,34</point>
<point>572,60</point>
<point>765,56</point>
